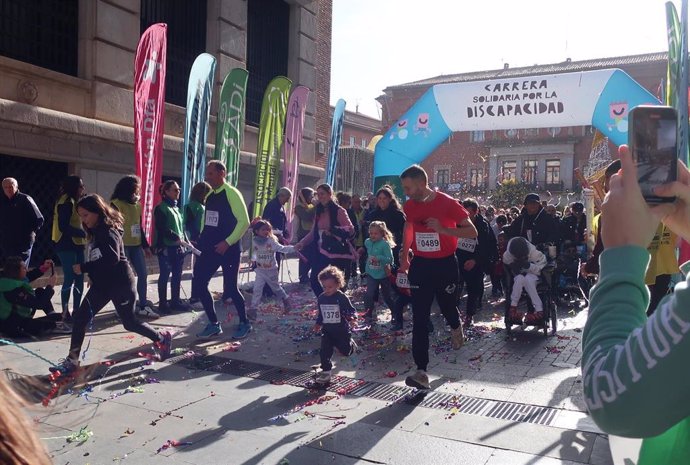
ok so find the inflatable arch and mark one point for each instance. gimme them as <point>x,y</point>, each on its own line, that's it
<point>598,98</point>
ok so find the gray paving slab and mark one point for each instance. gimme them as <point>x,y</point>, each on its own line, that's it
<point>507,457</point>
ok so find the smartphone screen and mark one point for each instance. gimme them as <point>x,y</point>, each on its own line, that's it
<point>652,141</point>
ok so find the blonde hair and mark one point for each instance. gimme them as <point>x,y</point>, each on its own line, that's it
<point>19,444</point>
<point>385,232</point>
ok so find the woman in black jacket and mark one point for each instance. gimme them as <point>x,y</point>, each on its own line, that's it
<point>389,211</point>
<point>111,278</point>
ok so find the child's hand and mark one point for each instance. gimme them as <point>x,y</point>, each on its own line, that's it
<point>317,328</point>
<point>374,261</point>
<point>388,270</point>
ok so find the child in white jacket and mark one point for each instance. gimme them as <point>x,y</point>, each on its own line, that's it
<point>525,263</point>
<point>264,246</point>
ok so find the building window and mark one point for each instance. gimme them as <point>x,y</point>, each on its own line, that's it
<point>268,27</point>
<point>186,40</point>
<point>352,141</point>
<point>364,143</point>
<point>553,171</point>
<point>553,132</point>
<point>44,33</point>
<point>508,170</point>
<point>477,136</point>
<point>442,177</point>
<point>511,133</point>
<point>476,177</point>
<point>529,171</point>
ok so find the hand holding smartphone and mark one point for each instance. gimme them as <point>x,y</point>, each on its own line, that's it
<point>652,139</point>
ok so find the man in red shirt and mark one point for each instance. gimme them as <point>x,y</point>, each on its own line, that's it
<point>434,223</point>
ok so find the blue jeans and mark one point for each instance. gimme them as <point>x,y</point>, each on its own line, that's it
<point>170,262</point>
<point>72,282</point>
<point>135,255</point>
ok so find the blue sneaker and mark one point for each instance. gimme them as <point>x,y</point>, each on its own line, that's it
<point>242,330</point>
<point>165,345</point>
<point>66,367</point>
<point>211,330</point>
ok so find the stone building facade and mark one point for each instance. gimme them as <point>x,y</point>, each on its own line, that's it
<point>473,162</point>
<point>66,82</point>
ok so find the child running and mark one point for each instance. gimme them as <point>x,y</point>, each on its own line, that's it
<point>525,262</point>
<point>335,314</point>
<point>265,245</point>
<point>111,278</point>
<point>379,249</point>
<point>19,301</point>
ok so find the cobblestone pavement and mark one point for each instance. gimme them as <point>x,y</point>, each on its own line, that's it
<point>501,399</point>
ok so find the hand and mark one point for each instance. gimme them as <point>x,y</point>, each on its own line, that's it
<point>676,215</point>
<point>626,217</point>
<point>298,247</point>
<point>52,281</point>
<point>360,251</point>
<point>404,263</point>
<point>317,328</point>
<point>388,270</point>
<point>374,261</point>
<point>326,232</point>
<point>148,253</point>
<point>435,224</point>
<point>469,264</point>
<point>76,268</point>
<point>221,247</point>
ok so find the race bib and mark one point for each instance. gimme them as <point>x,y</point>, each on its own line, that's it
<point>135,230</point>
<point>374,265</point>
<point>211,218</point>
<point>95,254</point>
<point>402,281</point>
<point>468,245</point>
<point>330,313</point>
<point>265,258</point>
<point>428,242</point>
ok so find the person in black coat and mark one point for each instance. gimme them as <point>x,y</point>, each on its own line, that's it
<point>573,226</point>
<point>475,257</point>
<point>20,220</point>
<point>534,224</point>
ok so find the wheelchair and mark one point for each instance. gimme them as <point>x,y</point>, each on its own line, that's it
<point>546,286</point>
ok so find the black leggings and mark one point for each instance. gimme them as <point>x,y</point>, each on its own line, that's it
<point>429,278</point>
<point>474,282</point>
<point>123,297</point>
<point>320,262</point>
<point>657,291</point>
<point>205,267</point>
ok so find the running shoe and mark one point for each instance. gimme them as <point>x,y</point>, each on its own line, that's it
<point>242,331</point>
<point>457,337</point>
<point>62,328</point>
<point>354,347</point>
<point>146,311</point>
<point>418,380</point>
<point>322,377</point>
<point>211,330</point>
<point>66,367</point>
<point>180,306</point>
<point>164,345</point>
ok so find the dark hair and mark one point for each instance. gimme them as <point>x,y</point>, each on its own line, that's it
<point>470,203</point>
<point>388,192</point>
<point>94,203</point>
<point>577,207</point>
<point>70,186</point>
<point>12,266</point>
<point>125,188</point>
<point>165,186</point>
<point>343,197</point>
<point>320,207</point>
<point>502,219</point>
<point>259,223</point>
<point>200,191</point>
<point>334,273</point>
<point>613,168</point>
<point>415,172</point>
<point>306,191</point>
<point>217,165</point>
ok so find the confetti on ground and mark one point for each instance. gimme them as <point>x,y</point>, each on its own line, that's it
<point>172,443</point>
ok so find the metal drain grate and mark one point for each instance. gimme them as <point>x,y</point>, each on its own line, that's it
<point>373,390</point>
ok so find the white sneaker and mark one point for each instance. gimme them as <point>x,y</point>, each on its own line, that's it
<point>147,312</point>
<point>323,377</point>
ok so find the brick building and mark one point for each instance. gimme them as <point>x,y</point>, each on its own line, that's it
<point>66,82</point>
<point>473,162</point>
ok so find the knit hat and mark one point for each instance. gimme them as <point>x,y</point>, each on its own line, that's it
<point>518,247</point>
<point>531,198</point>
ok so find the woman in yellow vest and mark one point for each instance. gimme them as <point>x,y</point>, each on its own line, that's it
<point>125,199</point>
<point>662,264</point>
<point>167,241</point>
<point>69,239</point>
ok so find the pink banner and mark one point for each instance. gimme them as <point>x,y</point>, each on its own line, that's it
<point>294,126</point>
<point>149,115</point>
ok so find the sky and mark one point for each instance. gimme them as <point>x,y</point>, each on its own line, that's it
<point>381,43</point>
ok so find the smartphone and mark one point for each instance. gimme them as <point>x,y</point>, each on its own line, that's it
<point>652,139</point>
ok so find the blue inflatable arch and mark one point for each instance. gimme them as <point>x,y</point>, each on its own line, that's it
<point>598,98</point>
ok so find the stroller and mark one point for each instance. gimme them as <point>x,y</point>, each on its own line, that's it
<point>545,289</point>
